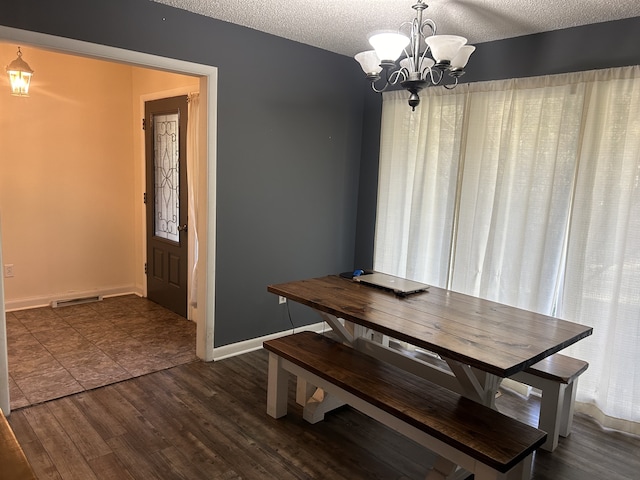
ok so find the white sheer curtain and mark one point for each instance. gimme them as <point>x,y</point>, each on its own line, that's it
<point>192,181</point>
<point>544,215</point>
<point>520,159</point>
<point>602,280</point>
<point>417,186</point>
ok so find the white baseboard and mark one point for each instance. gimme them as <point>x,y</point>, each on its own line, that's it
<point>247,346</point>
<point>517,387</point>
<point>45,300</point>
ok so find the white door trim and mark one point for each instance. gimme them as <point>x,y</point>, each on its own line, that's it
<point>5,405</point>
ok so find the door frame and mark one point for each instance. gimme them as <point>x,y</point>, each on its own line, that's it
<point>207,166</point>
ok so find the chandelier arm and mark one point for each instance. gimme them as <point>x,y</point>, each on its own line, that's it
<point>424,55</point>
<point>373,86</point>
<point>389,79</point>
<point>404,24</point>
<point>407,53</point>
<point>375,80</point>
<point>395,76</point>
<point>451,87</point>
<point>433,79</point>
<point>428,23</point>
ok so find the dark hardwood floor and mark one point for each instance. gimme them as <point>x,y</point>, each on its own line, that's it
<point>208,421</point>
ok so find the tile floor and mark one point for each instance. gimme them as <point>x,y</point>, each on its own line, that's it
<point>58,352</point>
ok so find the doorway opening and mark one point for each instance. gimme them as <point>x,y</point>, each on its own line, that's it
<point>207,125</point>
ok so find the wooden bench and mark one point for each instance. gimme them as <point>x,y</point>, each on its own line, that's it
<point>13,463</point>
<point>463,433</point>
<point>557,378</point>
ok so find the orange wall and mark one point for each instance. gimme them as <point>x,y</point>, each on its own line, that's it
<point>70,184</point>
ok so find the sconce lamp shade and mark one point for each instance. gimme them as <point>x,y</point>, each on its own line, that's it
<point>20,74</point>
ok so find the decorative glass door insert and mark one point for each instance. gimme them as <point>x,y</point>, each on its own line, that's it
<point>167,176</point>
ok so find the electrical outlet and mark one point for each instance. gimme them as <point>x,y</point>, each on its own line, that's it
<point>282,300</point>
<point>8,270</point>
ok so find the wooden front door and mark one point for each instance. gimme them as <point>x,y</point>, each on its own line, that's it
<point>166,202</point>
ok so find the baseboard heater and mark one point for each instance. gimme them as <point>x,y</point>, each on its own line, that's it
<point>75,301</point>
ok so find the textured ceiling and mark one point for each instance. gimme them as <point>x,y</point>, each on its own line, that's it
<point>342,26</point>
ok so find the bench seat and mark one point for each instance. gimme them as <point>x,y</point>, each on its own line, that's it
<point>480,440</point>
<point>559,368</point>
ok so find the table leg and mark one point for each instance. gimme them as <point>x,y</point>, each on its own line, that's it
<point>477,385</point>
<point>345,332</point>
<point>474,384</point>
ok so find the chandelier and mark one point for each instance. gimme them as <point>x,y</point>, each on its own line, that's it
<point>20,74</point>
<point>449,56</point>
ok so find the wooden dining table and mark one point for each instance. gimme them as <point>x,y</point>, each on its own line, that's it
<point>481,341</point>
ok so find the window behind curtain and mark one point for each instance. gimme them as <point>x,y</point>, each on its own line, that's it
<point>602,277</point>
<point>520,160</point>
<point>527,192</point>
<point>419,157</point>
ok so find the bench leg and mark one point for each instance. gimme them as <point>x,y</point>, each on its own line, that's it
<point>277,387</point>
<point>316,401</point>
<point>443,469</point>
<point>304,391</point>
<point>551,407</point>
<point>566,420</point>
<point>522,471</point>
<point>319,404</point>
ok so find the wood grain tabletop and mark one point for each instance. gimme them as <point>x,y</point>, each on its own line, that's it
<point>493,337</point>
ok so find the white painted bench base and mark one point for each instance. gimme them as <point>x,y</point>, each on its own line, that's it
<point>556,406</point>
<point>452,464</point>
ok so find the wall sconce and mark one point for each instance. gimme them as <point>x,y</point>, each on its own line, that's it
<point>20,76</point>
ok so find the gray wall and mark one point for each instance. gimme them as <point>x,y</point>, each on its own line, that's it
<point>368,189</point>
<point>289,140</point>
<point>602,45</point>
